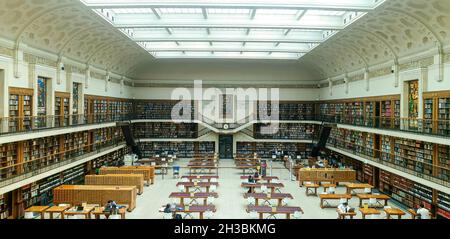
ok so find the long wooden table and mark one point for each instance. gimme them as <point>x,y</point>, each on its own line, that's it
<point>38,209</point>
<point>203,168</point>
<point>363,197</point>
<point>394,212</point>
<point>200,178</point>
<point>188,210</point>
<point>324,198</point>
<point>197,186</point>
<point>267,197</point>
<point>56,210</point>
<point>369,211</point>
<point>100,211</point>
<point>353,186</point>
<point>272,211</point>
<point>86,212</point>
<point>266,178</point>
<point>193,196</point>
<point>250,167</point>
<point>273,186</point>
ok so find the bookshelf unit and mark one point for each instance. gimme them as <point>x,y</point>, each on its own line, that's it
<point>443,203</point>
<point>369,113</point>
<point>428,116</point>
<point>266,149</point>
<point>20,109</point>
<point>158,109</point>
<point>165,130</point>
<point>337,138</point>
<point>181,149</point>
<point>100,109</point>
<point>414,155</point>
<point>437,112</point>
<point>444,116</point>
<point>288,131</point>
<point>288,110</point>
<point>368,174</point>
<point>443,160</point>
<point>8,157</point>
<point>405,191</point>
<point>62,107</point>
<point>4,207</point>
<point>386,148</point>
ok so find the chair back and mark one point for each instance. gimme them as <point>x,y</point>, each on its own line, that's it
<point>367,190</point>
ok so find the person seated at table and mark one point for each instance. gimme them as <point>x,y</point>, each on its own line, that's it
<point>251,180</point>
<point>168,208</point>
<point>344,207</point>
<point>256,176</point>
<point>422,212</point>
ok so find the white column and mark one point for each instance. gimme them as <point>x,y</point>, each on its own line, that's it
<point>87,76</point>
<point>423,87</point>
<point>366,79</point>
<point>18,57</point>
<point>330,82</point>
<point>346,82</point>
<point>439,62</point>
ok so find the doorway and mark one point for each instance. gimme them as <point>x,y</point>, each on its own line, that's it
<point>226,146</point>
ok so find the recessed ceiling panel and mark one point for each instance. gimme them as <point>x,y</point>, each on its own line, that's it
<point>254,29</point>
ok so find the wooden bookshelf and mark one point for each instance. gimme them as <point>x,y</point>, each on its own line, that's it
<point>181,149</point>
<point>20,109</point>
<point>288,110</point>
<point>99,108</point>
<point>288,131</point>
<point>165,130</point>
<point>437,112</point>
<point>159,109</point>
<point>4,207</point>
<point>8,157</point>
<point>414,155</point>
<point>443,160</point>
<point>265,150</point>
<point>62,107</point>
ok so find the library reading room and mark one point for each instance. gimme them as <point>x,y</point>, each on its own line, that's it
<point>224,109</point>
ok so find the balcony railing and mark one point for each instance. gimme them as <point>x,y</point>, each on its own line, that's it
<point>11,125</point>
<point>439,174</point>
<point>16,172</point>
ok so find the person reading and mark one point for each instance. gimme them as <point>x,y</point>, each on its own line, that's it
<point>422,212</point>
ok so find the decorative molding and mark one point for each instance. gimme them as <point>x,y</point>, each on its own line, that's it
<point>417,64</point>
<point>380,72</point>
<point>6,51</point>
<point>357,77</point>
<point>97,75</point>
<point>32,59</point>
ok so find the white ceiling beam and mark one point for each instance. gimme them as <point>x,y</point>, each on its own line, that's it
<point>205,13</point>
<point>310,23</point>
<point>171,49</point>
<point>156,13</point>
<point>354,5</point>
<point>230,39</point>
<point>253,14</point>
<point>300,14</point>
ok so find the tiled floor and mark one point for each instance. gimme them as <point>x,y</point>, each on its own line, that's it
<point>231,203</point>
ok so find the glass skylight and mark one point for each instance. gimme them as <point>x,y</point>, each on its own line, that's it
<point>256,29</point>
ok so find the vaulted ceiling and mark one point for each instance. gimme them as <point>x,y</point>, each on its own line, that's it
<point>68,28</point>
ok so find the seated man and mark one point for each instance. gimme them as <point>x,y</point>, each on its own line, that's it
<point>344,208</point>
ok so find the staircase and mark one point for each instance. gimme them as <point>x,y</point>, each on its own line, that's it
<point>129,138</point>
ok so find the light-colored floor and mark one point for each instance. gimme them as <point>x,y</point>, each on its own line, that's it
<point>231,203</point>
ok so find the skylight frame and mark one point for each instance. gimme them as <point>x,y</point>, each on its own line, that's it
<point>254,25</point>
